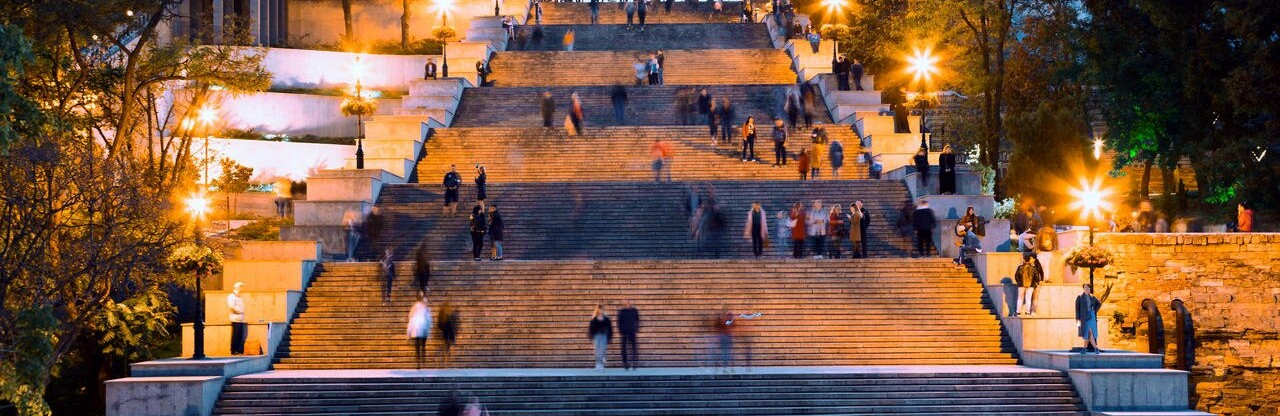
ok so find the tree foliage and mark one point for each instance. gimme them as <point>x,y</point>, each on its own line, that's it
<point>96,153</point>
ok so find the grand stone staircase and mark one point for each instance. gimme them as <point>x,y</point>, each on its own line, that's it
<point>683,67</point>
<point>534,314</point>
<point>620,220</point>
<point>613,153</point>
<point>648,105</point>
<point>586,225</point>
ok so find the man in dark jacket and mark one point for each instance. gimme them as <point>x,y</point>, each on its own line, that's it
<point>628,326</point>
<point>855,72</point>
<point>779,135</point>
<point>841,68</point>
<point>495,232</point>
<point>619,98</point>
<point>865,223</point>
<point>452,180</point>
<point>548,109</point>
<point>726,120</point>
<point>924,222</point>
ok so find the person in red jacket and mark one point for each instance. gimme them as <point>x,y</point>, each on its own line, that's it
<point>797,230</point>
<point>1244,218</point>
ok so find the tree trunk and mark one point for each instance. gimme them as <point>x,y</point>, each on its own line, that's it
<point>346,20</point>
<point>1144,188</point>
<point>404,26</point>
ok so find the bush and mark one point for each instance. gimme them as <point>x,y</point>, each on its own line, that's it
<point>267,229</point>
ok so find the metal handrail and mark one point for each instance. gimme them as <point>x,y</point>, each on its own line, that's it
<point>1185,335</point>
<point>1155,327</point>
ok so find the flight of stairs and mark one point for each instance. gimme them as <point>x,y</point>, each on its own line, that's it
<point>621,220</point>
<point>616,153</point>
<point>683,67</point>
<point>608,37</point>
<point>840,391</point>
<point>650,105</point>
<point>534,314</point>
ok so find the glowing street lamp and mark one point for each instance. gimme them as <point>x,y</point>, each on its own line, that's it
<point>197,206</point>
<point>922,64</point>
<point>205,117</point>
<point>1097,148</point>
<point>444,7</point>
<point>1090,200</point>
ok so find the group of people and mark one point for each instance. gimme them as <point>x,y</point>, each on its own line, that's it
<point>846,71</point>
<point>600,330</point>
<point>826,232</point>
<point>947,161</point>
<point>484,219</point>
<point>573,122</point>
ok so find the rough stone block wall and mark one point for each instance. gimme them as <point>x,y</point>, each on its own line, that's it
<point>1230,283</point>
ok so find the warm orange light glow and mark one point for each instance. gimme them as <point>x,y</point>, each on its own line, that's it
<point>833,5</point>
<point>1091,199</point>
<point>922,65</point>
<point>197,206</point>
<point>358,69</point>
<point>1097,148</point>
<point>443,7</point>
<point>206,115</point>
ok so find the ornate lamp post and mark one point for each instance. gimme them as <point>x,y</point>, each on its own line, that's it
<point>444,32</point>
<point>359,106</point>
<point>198,207</point>
<point>922,64</point>
<point>1090,199</point>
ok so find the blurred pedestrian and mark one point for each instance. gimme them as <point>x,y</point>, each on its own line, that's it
<point>925,222</point>
<point>835,153</point>
<point>548,109</point>
<point>921,160</point>
<point>631,11</point>
<point>660,151</point>
<point>447,324</point>
<point>642,10</point>
<point>619,98</point>
<point>479,225</point>
<point>853,225</point>
<point>782,230</point>
<point>474,407</point>
<point>422,266</point>
<point>388,265</point>
<point>802,164</point>
<point>600,331</point>
<point>575,112</point>
<point>779,143</point>
<point>284,197</point>
<point>595,11</point>
<point>726,120</point>
<point>1029,275</point>
<point>419,328</point>
<point>352,224</point>
<point>855,72</point>
<point>451,405</point>
<point>568,40</point>
<point>818,137</point>
<point>628,328</point>
<point>797,225</point>
<point>816,227</point>
<point>496,226</point>
<point>836,223</point>
<point>704,105</point>
<point>757,228</point>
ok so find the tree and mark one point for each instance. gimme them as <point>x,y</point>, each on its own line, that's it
<point>233,181</point>
<point>349,36</point>
<point>1047,148</point>
<point>90,177</point>
<point>980,32</point>
<point>404,25</point>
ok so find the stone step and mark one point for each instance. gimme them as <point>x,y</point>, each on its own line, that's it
<point>682,67</point>
<point>562,220</point>
<point>647,105</point>
<point>611,13</point>
<point>616,37</point>
<point>764,391</point>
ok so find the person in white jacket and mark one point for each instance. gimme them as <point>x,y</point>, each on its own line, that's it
<point>419,327</point>
<point>239,329</point>
<point>816,227</point>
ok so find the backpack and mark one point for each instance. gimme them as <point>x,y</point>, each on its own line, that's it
<point>980,229</point>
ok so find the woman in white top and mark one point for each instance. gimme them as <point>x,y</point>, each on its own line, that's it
<point>419,327</point>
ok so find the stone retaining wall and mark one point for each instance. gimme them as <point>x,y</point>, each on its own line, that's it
<point>1231,285</point>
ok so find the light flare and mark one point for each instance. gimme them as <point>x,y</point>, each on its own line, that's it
<point>1090,199</point>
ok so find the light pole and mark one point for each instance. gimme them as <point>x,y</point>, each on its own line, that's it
<point>1090,199</point>
<point>198,207</point>
<point>922,64</point>
<point>357,70</point>
<point>445,7</point>
<point>495,8</point>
